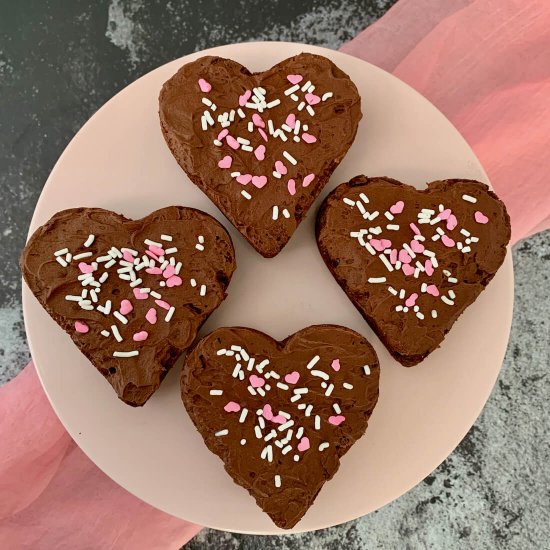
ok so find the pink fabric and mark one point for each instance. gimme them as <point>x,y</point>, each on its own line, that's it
<point>485,64</point>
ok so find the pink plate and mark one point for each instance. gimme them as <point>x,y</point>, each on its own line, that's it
<point>119,161</point>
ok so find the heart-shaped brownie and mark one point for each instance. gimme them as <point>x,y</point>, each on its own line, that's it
<point>260,145</point>
<point>412,261</point>
<point>281,414</point>
<point>131,294</point>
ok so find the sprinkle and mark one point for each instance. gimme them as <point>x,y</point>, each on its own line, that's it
<point>277,175</point>
<point>62,262</point>
<point>347,386</point>
<point>236,370</point>
<point>392,290</point>
<point>292,89</point>
<point>329,390</point>
<point>170,314</point>
<point>273,103</point>
<point>366,369</point>
<point>317,422</point>
<point>310,110</point>
<point>153,243</point>
<point>221,432</point>
<point>286,425</point>
<point>261,422</point>
<point>105,333</point>
<point>203,290</point>
<point>320,374</point>
<point>90,240</point>
<point>82,255</point>
<point>242,418</point>
<point>469,198</point>
<point>61,252</point>
<point>243,441</point>
<point>193,283</point>
<point>287,449</point>
<point>452,280</point>
<point>376,279</point>
<point>447,301</point>
<point>251,390</point>
<point>324,446</point>
<point>282,386</point>
<point>286,213</point>
<point>392,227</point>
<point>389,216</point>
<point>73,298</point>
<point>275,214</point>
<point>308,410</point>
<point>434,313</point>
<point>120,317</point>
<point>326,95</point>
<point>258,432</point>
<point>386,262</point>
<point>216,392</point>
<point>277,481</point>
<point>466,249</point>
<point>116,333</point>
<point>289,157</point>
<point>125,353</point>
<point>313,362</point>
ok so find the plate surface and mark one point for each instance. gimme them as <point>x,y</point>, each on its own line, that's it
<point>119,161</point>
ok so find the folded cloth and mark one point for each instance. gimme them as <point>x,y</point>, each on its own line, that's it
<point>484,63</point>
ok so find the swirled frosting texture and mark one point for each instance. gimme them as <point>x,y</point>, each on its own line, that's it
<point>412,261</point>
<point>96,274</point>
<point>260,145</point>
<point>281,414</point>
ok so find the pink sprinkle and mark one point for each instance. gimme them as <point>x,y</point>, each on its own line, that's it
<point>280,167</point>
<point>279,419</point>
<point>151,315</point>
<point>153,270</point>
<point>291,120</point>
<point>480,217</point>
<point>162,304</point>
<point>263,134</point>
<point>417,246</point>
<point>291,187</point>
<point>128,257</point>
<point>414,228</point>
<point>225,162</point>
<point>173,281</point>
<point>397,208</point>
<point>404,257</point>
<point>312,99</point>
<point>304,444</point>
<point>259,152</point>
<point>222,134</point>
<point>336,365</point>
<point>407,269</point>
<point>336,420</point>
<point>393,256</point>
<point>244,178</point>
<point>292,377</point>
<point>126,307</point>
<point>429,268</point>
<point>156,250</point>
<point>308,179</point>
<point>151,255</point>
<point>447,241</point>
<point>139,295</point>
<point>232,142</point>
<point>445,214</point>
<point>258,120</point>
<point>256,381</point>
<point>141,336</point>
<point>380,244</point>
<point>204,86</point>
<point>411,300</point>
<point>85,268</point>
<point>81,327</point>
<point>294,78</point>
<point>244,98</point>
<point>452,222</point>
<point>308,138</point>
<point>267,412</point>
<point>232,407</point>
<point>432,289</point>
<point>259,181</point>
<point>169,270</point>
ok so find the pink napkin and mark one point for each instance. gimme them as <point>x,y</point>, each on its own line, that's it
<point>485,64</point>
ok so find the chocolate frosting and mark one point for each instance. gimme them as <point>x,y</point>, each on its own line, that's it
<point>336,370</point>
<point>468,242</point>
<point>134,378</point>
<point>333,125</point>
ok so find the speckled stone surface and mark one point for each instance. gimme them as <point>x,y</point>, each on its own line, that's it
<point>60,61</point>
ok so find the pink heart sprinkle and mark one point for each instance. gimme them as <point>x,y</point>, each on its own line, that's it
<point>85,268</point>
<point>232,142</point>
<point>259,181</point>
<point>308,179</point>
<point>139,295</point>
<point>153,270</point>
<point>279,419</point>
<point>312,99</point>
<point>256,381</point>
<point>225,162</point>
<point>223,133</point>
<point>304,444</point>
<point>417,246</point>
<point>81,327</point>
<point>308,138</point>
<point>336,420</point>
<point>414,228</point>
<point>411,300</point>
<point>336,365</point>
<point>244,178</point>
<point>126,307</point>
<point>291,187</point>
<point>140,336</point>
<point>156,250</point>
<point>232,407</point>
<point>128,257</point>
<point>169,270</point>
<point>280,167</point>
<point>404,257</point>
<point>172,281</point>
<point>259,152</point>
<point>397,208</point>
<point>258,120</point>
<point>429,268</point>
<point>263,134</point>
<point>445,214</point>
<point>447,241</point>
<point>393,256</point>
<point>407,269</point>
<point>244,98</point>
<point>452,222</point>
<point>151,315</point>
<point>204,86</point>
<point>291,120</point>
<point>267,412</point>
<point>432,289</point>
<point>292,378</point>
<point>294,78</point>
<point>162,304</point>
<point>376,244</point>
<point>480,217</point>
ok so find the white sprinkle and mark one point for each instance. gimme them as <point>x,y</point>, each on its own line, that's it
<point>261,391</point>
<point>388,215</point>
<point>295,398</point>
<point>310,110</point>
<point>349,201</point>
<point>258,432</point>
<point>90,240</point>
<point>105,333</point>
<point>466,249</point>
<point>447,301</point>
<point>289,157</point>
<point>302,406</point>
<point>242,418</point>
<point>301,105</point>
<point>282,386</point>
<point>429,253</point>
<point>326,95</point>
<point>313,362</point>
<point>329,389</point>
<point>308,410</point>
<point>243,441</point>
<point>120,317</point>
<point>386,262</point>
<point>320,374</point>
<point>260,367</point>
<point>370,249</point>
<point>125,353</point>
<point>241,113</point>
<point>277,175</point>
<point>287,449</point>
<point>73,298</point>
<point>236,370</point>
<point>206,101</point>
<point>199,247</point>
<point>93,294</point>
<point>452,280</point>
<point>82,255</point>
<point>221,351</point>
<point>203,290</point>
<point>392,290</point>
<point>277,481</point>
<point>324,446</point>
<point>392,227</point>
<point>275,214</point>
<point>292,89</point>
<point>294,97</point>
<point>347,386</point>
<point>459,245</point>
<point>170,314</point>
<point>135,283</point>
<point>376,279</point>
<point>317,422</point>
<point>469,198</point>
<point>166,238</point>
<point>251,390</point>
<point>273,103</point>
<point>61,252</point>
<point>171,250</point>
<point>62,262</point>
<point>221,432</point>
<point>193,283</point>
<point>68,257</point>
<point>261,422</point>
<point>116,333</point>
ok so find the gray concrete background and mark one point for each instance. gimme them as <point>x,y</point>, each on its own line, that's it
<point>60,61</point>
